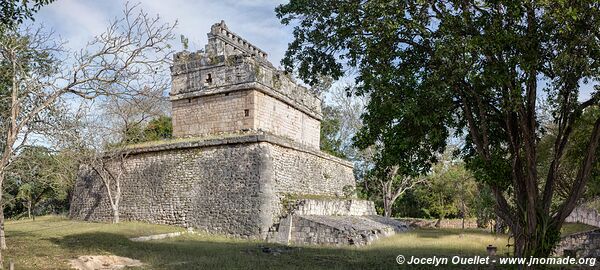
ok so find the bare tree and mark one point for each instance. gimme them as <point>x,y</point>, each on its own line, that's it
<point>126,58</point>
<point>350,108</point>
<point>393,185</point>
<point>122,116</point>
<point>109,167</point>
<point>97,147</point>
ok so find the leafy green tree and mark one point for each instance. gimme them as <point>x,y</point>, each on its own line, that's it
<point>12,14</point>
<point>38,74</point>
<point>448,196</point>
<point>483,206</point>
<point>454,190</point>
<point>330,127</point>
<point>388,181</point>
<point>132,134</point>
<point>574,153</point>
<point>450,191</point>
<point>159,128</point>
<point>471,67</point>
<point>415,203</point>
<point>41,176</point>
<point>15,12</point>
<point>442,198</point>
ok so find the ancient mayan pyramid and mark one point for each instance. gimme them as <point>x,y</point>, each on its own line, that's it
<point>246,161</point>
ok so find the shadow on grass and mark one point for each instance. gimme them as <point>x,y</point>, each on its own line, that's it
<point>188,252</point>
<point>22,233</point>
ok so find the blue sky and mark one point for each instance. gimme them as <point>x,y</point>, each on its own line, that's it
<point>77,21</point>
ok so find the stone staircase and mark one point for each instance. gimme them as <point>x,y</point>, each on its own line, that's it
<point>333,222</point>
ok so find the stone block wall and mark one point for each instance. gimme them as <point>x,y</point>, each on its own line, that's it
<point>244,110</point>
<point>274,116</point>
<point>584,244</point>
<point>332,222</point>
<point>329,207</point>
<point>198,74</point>
<point>232,87</point>
<point>445,223</point>
<point>213,114</point>
<point>222,41</point>
<point>584,215</point>
<point>307,172</point>
<point>331,230</point>
<point>214,188</point>
<point>229,186</point>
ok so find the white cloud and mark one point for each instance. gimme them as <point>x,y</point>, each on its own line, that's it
<point>77,21</point>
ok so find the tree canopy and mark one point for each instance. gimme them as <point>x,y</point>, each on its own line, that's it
<point>473,70</point>
<point>14,12</point>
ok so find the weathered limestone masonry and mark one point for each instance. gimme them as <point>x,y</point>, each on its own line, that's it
<point>245,162</point>
<point>226,185</point>
<point>233,87</point>
<point>585,215</point>
<point>333,222</point>
<point>582,245</point>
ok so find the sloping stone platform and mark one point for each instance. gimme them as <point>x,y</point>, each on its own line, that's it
<point>340,230</point>
<point>334,222</point>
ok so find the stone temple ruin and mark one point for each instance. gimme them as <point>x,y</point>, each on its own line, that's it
<point>245,160</point>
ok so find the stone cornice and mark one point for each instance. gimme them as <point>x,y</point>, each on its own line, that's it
<point>234,139</point>
<point>255,85</point>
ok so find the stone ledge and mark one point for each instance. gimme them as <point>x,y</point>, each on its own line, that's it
<point>351,223</point>
<point>233,139</point>
<point>156,237</point>
<point>334,207</point>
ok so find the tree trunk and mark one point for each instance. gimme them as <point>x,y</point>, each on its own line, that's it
<point>387,205</point>
<point>463,214</point>
<point>438,223</point>
<point>2,235</point>
<point>539,245</point>
<point>387,208</point>
<point>29,209</point>
<point>2,239</point>
<point>115,213</point>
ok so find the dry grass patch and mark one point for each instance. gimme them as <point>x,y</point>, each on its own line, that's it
<point>50,242</point>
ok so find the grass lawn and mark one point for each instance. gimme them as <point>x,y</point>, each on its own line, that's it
<point>49,242</point>
<point>571,228</point>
